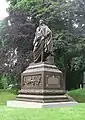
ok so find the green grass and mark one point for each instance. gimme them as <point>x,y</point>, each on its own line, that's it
<point>76,112</point>
<point>78,95</point>
<point>6,95</point>
<point>62,113</point>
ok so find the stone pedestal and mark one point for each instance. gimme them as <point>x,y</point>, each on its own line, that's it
<point>42,83</point>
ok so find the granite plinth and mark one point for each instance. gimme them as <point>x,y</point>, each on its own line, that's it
<point>24,104</point>
<point>43,83</point>
<point>42,86</point>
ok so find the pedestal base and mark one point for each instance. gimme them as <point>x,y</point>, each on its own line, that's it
<point>23,104</point>
<point>42,85</point>
<point>44,98</point>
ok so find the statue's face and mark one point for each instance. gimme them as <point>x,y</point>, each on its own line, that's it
<point>41,22</point>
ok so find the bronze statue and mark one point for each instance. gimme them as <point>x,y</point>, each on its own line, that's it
<point>43,45</point>
<point>42,82</point>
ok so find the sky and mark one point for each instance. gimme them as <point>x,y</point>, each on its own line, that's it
<point>3,6</point>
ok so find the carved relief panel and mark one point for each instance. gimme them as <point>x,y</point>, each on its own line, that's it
<point>32,80</point>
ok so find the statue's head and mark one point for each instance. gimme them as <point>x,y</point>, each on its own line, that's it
<point>41,22</point>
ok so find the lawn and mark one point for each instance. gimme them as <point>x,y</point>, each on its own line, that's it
<point>78,95</point>
<point>6,95</point>
<point>64,113</point>
<point>76,112</point>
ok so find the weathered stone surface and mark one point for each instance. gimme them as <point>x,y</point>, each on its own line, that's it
<point>42,82</point>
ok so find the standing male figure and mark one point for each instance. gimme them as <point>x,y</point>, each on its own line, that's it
<point>43,45</point>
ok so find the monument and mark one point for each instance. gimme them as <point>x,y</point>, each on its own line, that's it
<point>42,83</point>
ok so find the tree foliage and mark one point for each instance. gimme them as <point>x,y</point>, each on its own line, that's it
<point>66,19</point>
<point>16,52</point>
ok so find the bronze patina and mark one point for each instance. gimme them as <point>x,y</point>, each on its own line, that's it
<point>43,46</point>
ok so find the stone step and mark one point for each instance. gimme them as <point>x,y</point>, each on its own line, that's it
<point>42,99</point>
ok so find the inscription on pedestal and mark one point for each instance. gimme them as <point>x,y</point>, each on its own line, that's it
<point>52,80</point>
<point>32,80</point>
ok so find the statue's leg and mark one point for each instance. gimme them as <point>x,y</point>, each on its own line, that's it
<point>42,52</point>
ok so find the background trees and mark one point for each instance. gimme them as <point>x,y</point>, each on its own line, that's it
<point>66,19</point>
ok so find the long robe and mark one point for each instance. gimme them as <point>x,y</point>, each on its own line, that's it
<point>42,43</point>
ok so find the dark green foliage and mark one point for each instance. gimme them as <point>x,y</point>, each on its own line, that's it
<point>16,53</point>
<point>74,79</point>
<point>65,19</point>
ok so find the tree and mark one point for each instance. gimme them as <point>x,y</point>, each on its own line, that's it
<point>64,17</point>
<point>16,53</point>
